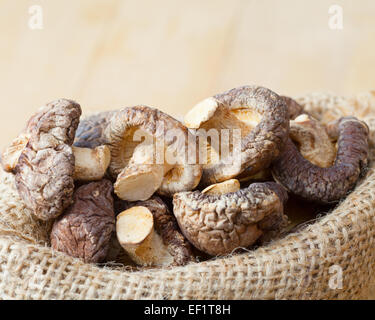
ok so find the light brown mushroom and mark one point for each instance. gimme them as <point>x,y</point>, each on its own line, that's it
<point>44,162</point>
<point>255,119</point>
<point>218,224</point>
<point>165,152</point>
<point>142,177</point>
<point>91,164</point>
<point>149,234</point>
<point>232,185</point>
<point>312,140</point>
<point>11,154</point>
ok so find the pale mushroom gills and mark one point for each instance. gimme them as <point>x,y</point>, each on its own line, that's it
<point>141,140</point>
<point>250,123</point>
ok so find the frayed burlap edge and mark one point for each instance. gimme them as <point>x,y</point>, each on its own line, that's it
<point>307,264</point>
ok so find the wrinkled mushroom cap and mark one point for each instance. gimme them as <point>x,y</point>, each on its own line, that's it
<point>90,131</point>
<point>45,168</point>
<point>84,230</point>
<point>218,224</point>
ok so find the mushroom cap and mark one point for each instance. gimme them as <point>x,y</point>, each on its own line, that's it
<point>90,131</point>
<point>125,130</point>
<point>294,108</point>
<point>263,119</point>
<point>326,185</point>
<point>84,230</point>
<point>218,224</point>
<point>45,169</point>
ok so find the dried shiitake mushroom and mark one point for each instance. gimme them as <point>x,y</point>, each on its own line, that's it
<point>219,223</point>
<point>149,233</point>
<point>294,108</point>
<point>312,140</point>
<point>325,185</point>
<point>90,131</point>
<point>140,165</point>
<point>84,230</point>
<point>44,163</point>
<point>263,120</point>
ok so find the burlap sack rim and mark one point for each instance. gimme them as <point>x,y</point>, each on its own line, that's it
<point>291,267</point>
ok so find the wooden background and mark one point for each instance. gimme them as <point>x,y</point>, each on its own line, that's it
<point>171,54</point>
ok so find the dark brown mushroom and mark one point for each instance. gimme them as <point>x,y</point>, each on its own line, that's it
<point>218,224</point>
<point>326,185</point>
<point>145,138</point>
<point>263,120</point>
<point>90,131</point>
<point>173,249</point>
<point>85,229</point>
<point>312,141</point>
<point>294,108</point>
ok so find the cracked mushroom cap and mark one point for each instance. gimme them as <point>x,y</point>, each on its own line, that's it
<point>159,129</point>
<point>263,119</point>
<point>90,131</point>
<point>218,224</point>
<point>325,185</point>
<point>45,167</point>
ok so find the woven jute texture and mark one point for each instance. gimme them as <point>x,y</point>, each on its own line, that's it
<point>306,264</point>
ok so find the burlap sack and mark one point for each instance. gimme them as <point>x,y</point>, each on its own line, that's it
<point>307,264</point>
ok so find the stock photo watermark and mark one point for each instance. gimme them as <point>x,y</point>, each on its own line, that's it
<point>335,281</point>
<point>35,21</point>
<point>336,17</point>
<point>204,146</point>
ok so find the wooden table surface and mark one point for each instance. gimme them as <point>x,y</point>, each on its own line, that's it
<point>171,54</point>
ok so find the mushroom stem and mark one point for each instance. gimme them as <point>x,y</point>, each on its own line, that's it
<point>138,182</point>
<point>228,186</point>
<point>135,232</point>
<point>11,154</point>
<point>91,164</point>
<point>142,177</point>
<point>131,125</point>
